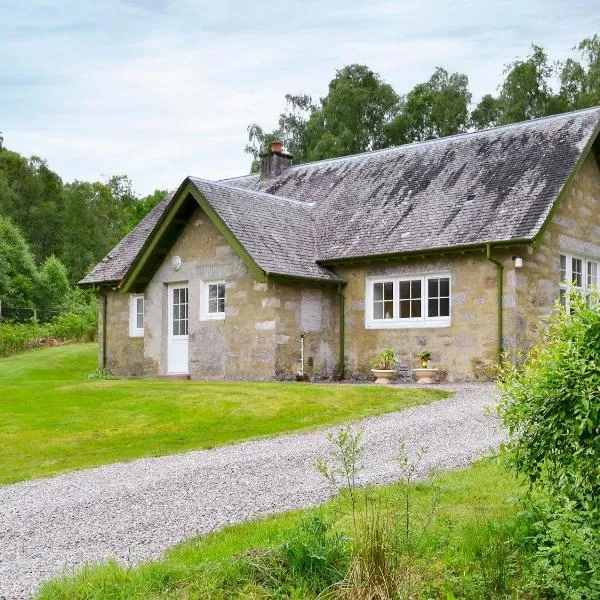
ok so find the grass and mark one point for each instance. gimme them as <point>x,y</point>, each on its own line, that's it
<point>464,549</point>
<point>52,419</point>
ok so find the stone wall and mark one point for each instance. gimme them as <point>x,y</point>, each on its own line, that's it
<point>124,354</point>
<point>466,349</point>
<point>575,229</point>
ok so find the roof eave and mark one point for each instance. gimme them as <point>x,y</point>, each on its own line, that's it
<point>460,249</point>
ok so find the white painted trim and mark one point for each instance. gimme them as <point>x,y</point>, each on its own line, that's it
<point>134,330</point>
<point>395,322</point>
<point>204,314</point>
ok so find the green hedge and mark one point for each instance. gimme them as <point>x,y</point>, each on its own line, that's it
<point>80,325</point>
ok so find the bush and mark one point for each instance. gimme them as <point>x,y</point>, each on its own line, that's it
<point>80,325</point>
<point>551,405</point>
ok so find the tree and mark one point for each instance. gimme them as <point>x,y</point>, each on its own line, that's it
<point>54,286</point>
<point>580,83</point>
<point>352,118</point>
<point>436,108</point>
<point>487,113</point>
<point>291,130</point>
<point>1,141</point>
<point>142,206</point>
<point>526,92</point>
<point>18,274</point>
<point>354,115</point>
<point>30,194</point>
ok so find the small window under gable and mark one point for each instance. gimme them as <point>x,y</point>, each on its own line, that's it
<point>136,315</point>
<point>578,273</point>
<point>412,301</point>
<point>212,304</point>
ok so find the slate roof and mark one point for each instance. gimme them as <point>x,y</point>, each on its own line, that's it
<point>495,185</point>
<point>278,233</point>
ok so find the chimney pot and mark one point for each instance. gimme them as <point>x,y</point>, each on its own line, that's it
<point>273,162</point>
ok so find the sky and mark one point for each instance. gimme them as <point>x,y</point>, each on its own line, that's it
<point>162,89</point>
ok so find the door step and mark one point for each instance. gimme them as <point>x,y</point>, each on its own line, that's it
<point>175,377</point>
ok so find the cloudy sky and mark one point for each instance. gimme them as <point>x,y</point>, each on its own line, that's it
<point>159,89</point>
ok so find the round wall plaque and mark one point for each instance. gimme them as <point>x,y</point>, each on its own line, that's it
<point>176,263</point>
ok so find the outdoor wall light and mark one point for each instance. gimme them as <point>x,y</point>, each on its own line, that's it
<point>518,262</point>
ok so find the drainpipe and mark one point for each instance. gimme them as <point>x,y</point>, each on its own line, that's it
<point>342,298</point>
<point>500,278</point>
<point>302,355</point>
<point>103,333</point>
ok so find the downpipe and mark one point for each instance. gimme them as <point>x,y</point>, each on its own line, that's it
<point>500,288</point>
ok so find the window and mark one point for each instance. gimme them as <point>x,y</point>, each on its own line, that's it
<point>180,311</point>
<point>577,273</point>
<point>438,294</point>
<point>408,302</point>
<point>409,295</point>
<point>383,300</point>
<point>212,305</point>
<point>136,315</point>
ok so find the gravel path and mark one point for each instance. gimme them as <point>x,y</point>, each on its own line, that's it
<point>134,511</point>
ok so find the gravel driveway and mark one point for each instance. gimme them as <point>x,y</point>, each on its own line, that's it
<point>134,511</point>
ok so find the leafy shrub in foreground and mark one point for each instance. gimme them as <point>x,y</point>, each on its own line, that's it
<point>551,405</point>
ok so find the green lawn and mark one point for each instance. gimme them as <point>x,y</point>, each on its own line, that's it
<point>52,419</point>
<point>466,552</point>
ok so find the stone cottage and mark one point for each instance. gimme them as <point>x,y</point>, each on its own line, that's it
<point>457,245</point>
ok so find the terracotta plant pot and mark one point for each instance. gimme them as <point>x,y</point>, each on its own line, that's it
<point>426,375</point>
<point>383,376</point>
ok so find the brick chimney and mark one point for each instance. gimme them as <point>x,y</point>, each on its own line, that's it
<point>274,161</point>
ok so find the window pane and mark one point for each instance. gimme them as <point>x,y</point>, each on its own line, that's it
<point>563,267</point>
<point>388,309</point>
<point>212,291</point>
<point>405,309</point>
<point>404,290</point>
<point>592,272</point>
<point>445,287</point>
<point>388,290</point>
<point>378,310</point>
<point>212,305</point>
<point>432,288</point>
<point>577,272</point>
<point>416,288</point>
<point>378,291</point>
<point>444,307</point>
<point>221,305</point>
<point>416,308</point>
<point>139,322</point>
<point>432,307</point>
<point>221,290</point>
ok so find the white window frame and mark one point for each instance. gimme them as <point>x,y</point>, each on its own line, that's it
<point>204,290</point>
<point>413,322</point>
<point>134,330</point>
<point>566,284</point>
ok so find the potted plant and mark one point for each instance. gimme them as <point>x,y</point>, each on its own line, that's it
<point>424,373</point>
<point>383,366</point>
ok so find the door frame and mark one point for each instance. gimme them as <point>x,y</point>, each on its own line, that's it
<point>170,288</point>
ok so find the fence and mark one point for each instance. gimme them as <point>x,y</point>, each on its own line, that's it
<point>17,314</point>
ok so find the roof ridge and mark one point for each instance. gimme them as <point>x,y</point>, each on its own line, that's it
<point>439,140</point>
<point>220,183</point>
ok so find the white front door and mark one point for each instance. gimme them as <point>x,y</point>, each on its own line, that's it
<point>178,329</point>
